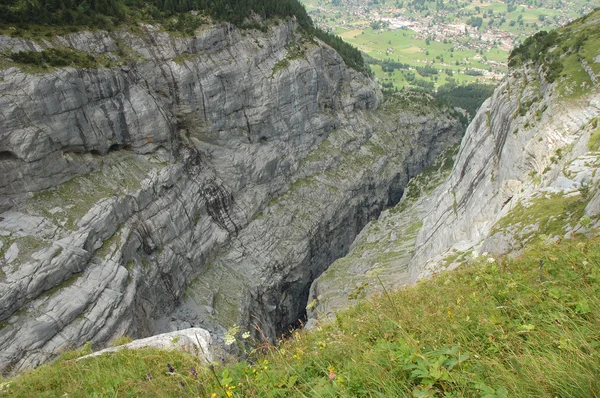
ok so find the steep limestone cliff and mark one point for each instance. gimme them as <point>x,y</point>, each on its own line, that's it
<point>526,169</point>
<point>200,181</point>
<point>379,256</point>
<point>527,165</point>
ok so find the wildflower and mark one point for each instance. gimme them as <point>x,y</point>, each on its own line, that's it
<point>149,376</point>
<point>213,395</point>
<point>331,371</point>
<point>245,335</point>
<point>491,260</point>
<point>193,372</point>
<point>229,337</point>
<point>171,370</point>
<point>182,384</point>
<point>229,393</point>
<point>229,340</point>
<point>474,254</point>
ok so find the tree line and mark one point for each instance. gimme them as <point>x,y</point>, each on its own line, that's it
<point>182,15</point>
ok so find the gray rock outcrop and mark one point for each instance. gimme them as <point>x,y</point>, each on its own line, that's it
<point>526,171</point>
<point>195,341</point>
<point>529,147</point>
<point>188,182</point>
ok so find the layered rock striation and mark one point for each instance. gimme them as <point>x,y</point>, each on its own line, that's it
<point>188,181</point>
<point>526,168</point>
<point>526,171</point>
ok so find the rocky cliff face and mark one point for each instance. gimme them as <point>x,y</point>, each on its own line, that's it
<point>526,169</point>
<point>379,256</point>
<point>200,181</point>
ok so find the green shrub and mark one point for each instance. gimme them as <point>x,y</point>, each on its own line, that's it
<point>55,57</point>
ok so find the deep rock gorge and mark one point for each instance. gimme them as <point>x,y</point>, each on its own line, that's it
<point>526,172</point>
<point>202,181</point>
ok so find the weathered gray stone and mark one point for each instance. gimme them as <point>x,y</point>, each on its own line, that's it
<point>195,341</point>
<point>195,184</point>
<point>509,158</point>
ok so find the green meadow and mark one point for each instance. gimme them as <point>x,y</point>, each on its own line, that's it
<point>454,57</point>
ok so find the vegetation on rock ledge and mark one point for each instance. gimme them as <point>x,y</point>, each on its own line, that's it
<point>566,55</point>
<point>175,15</point>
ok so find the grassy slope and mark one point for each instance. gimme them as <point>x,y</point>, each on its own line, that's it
<point>416,52</point>
<point>494,327</point>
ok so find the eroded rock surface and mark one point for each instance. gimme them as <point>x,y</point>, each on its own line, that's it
<point>189,182</point>
<point>527,145</point>
<point>526,171</point>
<point>195,341</point>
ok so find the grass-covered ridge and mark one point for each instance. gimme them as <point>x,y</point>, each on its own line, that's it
<point>566,55</point>
<point>495,327</point>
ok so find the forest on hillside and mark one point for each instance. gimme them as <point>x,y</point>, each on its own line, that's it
<point>175,15</point>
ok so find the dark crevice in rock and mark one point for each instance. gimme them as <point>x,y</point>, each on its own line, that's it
<point>119,147</point>
<point>219,203</point>
<point>330,241</point>
<point>7,155</point>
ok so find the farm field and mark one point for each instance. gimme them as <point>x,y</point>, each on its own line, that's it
<point>426,44</point>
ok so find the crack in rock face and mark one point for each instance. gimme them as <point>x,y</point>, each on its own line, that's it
<point>203,190</point>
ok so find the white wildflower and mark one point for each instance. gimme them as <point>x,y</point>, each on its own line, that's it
<point>474,254</point>
<point>229,340</point>
<point>245,335</point>
<point>229,337</point>
<point>491,260</point>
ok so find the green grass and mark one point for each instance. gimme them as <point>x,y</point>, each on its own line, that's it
<point>280,65</point>
<point>355,28</point>
<point>594,141</point>
<point>563,54</point>
<point>551,212</point>
<point>55,57</point>
<point>416,52</point>
<point>494,327</point>
<point>295,50</point>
